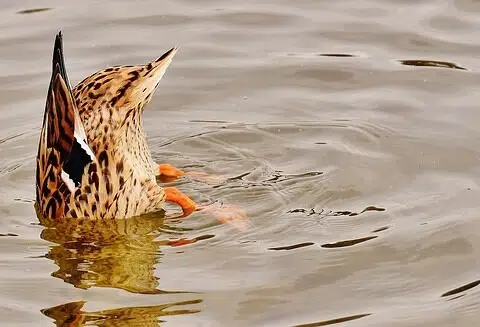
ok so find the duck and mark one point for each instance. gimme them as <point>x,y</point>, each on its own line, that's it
<point>93,159</point>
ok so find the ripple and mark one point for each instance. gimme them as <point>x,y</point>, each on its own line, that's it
<point>8,234</point>
<point>346,243</point>
<point>431,63</point>
<point>24,200</point>
<point>267,183</point>
<point>153,20</point>
<point>334,55</point>
<point>254,19</point>
<point>325,212</point>
<point>292,247</point>
<point>8,169</point>
<point>334,321</point>
<point>339,55</point>
<point>381,229</point>
<point>12,137</point>
<point>276,177</point>
<point>462,288</point>
<point>32,11</point>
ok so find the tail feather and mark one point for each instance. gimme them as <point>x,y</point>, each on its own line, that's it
<point>63,151</point>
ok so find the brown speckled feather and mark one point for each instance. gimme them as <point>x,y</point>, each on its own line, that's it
<point>93,159</point>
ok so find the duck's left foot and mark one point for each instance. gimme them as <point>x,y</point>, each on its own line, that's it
<point>225,214</point>
<point>228,214</point>
<point>168,173</point>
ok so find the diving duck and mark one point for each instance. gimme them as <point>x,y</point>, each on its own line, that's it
<point>93,160</point>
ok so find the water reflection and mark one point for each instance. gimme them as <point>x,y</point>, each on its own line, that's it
<point>72,315</point>
<point>119,253</point>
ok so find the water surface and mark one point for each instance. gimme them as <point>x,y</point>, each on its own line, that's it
<point>347,130</point>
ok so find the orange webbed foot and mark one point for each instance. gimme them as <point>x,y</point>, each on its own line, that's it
<point>228,214</point>
<point>224,213</point>
<point>168,173</point>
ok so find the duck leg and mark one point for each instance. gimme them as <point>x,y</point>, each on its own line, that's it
<point>172,194</point>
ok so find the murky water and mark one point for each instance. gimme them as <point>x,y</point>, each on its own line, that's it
<point>347,130</point>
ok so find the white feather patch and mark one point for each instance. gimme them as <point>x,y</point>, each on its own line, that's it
<point>84,146</point>
<point>66,178</point>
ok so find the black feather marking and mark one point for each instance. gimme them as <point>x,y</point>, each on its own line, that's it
<point>76,163</point>
<point>58,58</point>
<point>134,74</point>
<point>165,55</point>
<point>58,62</point>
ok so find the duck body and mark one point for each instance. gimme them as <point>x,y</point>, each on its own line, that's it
<point>93,159</point>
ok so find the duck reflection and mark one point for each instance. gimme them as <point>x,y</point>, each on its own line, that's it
<point>72,315</point>
<point>118,253</point>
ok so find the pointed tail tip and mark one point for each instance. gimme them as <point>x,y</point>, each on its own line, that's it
<point>167,54</point>
<point>59,37</point>
<point>58,62</point>
<point>58,49</point>
<point>58,46</point>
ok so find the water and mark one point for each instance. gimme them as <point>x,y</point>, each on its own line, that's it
<point>357,165</point>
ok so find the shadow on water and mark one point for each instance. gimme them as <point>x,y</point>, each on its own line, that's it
<point>72,315</point>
